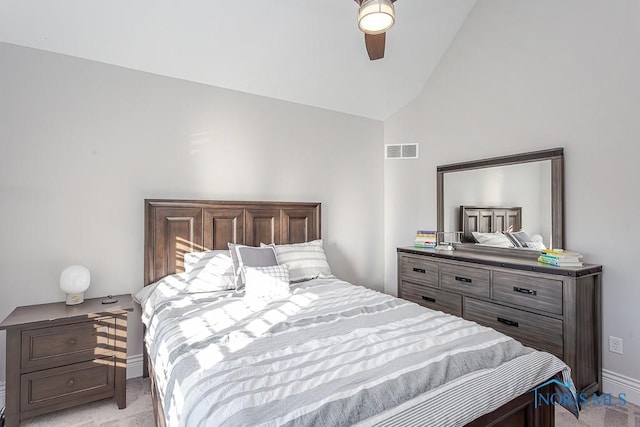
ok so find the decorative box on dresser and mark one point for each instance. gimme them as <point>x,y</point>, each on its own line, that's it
<point>59,356</point>
<point>553,309</point>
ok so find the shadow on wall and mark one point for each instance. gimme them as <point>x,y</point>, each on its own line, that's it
<point>343,269</point>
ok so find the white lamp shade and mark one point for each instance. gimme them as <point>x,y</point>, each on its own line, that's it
<point>376,16</point>
<point>74,280</point>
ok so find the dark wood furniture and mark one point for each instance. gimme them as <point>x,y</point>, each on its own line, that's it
<point>174,227</point>
<point>552,309</point>
<point>488,220</point>
<point>59,356</point>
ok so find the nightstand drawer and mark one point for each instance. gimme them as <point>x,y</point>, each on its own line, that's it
<point>432,298</point>
<point>539,292</point>
<point>419,270</point>
<point>540,332</point>
<point>466,280</point>
<point>68,383</point>
<point>63,345</point>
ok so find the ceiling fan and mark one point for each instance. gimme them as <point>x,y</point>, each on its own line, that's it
<point>375,17</point>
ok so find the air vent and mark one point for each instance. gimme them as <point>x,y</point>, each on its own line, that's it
<point>401,151</point>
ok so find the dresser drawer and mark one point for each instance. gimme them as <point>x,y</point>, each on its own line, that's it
<point>63,345</point>
<point>68,383</point>
<point>533,292</point>
<point>419,270</point>
<point>466,280</point>
<point>434,299</point>
<point>534,330</point>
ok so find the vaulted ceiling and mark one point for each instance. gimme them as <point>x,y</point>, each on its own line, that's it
<point>305,51</point>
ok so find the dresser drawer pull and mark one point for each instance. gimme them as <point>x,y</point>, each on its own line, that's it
<point>463,279</point>
<point>429,299</point>
<point>419,270</point>
<point>72,341</point>
<point>70,383</point>
<point>507,322</point>
<point>525,291</point>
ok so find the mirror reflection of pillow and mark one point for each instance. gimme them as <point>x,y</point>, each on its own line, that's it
<point>521,237</point>
<point>496,239</point>
<point>536,242</point>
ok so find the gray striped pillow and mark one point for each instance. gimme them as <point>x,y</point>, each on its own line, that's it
<point>306,261</point>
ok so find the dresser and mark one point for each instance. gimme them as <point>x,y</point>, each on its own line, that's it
<point>553,309</point>
<point>60,356</point>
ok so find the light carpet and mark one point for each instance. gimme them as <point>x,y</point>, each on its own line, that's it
<point>139,413</point>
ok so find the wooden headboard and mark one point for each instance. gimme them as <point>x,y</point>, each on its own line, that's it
<point>488,220</point>
<point>175,227</point>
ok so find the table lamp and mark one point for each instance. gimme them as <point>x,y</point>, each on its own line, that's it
<point>74,280</point>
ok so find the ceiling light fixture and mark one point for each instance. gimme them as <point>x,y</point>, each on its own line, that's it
<point>376,16</point>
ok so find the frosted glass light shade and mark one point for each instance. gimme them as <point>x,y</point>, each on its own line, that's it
<point>376,16</point>
<point>74,281</point>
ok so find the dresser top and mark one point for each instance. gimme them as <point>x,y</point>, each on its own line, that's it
<point>91,307</point>
<point>504,261</point>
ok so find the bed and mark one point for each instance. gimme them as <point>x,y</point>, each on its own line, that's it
<point>330,354</point>
<point>488,220</point>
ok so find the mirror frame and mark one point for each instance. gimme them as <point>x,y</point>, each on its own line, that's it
<point>556,155</point>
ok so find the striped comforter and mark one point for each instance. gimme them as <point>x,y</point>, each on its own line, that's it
<point>332,354</point>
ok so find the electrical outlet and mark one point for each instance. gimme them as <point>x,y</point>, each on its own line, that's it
<point>615,344</point>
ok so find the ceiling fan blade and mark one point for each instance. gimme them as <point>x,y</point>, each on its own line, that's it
<point>375,45</point>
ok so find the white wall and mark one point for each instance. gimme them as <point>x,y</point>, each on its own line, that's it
<point>82,144</point>
<point>523,76</point>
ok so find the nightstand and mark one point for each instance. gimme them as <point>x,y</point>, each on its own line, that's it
<point>59,356</point>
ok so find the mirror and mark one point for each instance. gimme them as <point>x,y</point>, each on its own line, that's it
<point>521,192</point>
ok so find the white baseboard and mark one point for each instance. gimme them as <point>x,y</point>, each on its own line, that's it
<point>134,366</point>
<point>615,383</point>
<point>1,394</point>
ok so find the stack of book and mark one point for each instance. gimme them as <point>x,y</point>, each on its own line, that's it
<point>425,239</point>
<point>560,258</point>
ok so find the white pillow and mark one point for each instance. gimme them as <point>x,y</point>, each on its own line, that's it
<point>266,283</point>
<point>198,259</point>
<point>250,256</point>
<point>175,284</point>
<point>306,261</point>
<point>496,239</point>
<point>211,270</point>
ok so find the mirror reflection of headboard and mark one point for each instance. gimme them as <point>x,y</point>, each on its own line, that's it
<point>488,220</point>
<point>501,188</point>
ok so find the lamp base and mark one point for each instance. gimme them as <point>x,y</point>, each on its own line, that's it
<point>74,299</point>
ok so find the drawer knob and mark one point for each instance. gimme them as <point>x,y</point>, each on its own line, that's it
<point>429,299</point>
<point>70,383</point>
<point>525,291</point>
<point>507,322</point>
<point>72,341</point>
<point>419,270</point>
<point>463,279</point>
